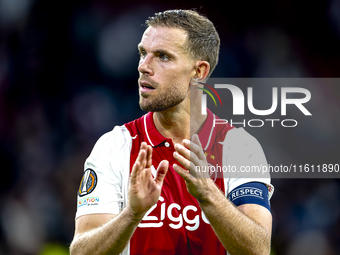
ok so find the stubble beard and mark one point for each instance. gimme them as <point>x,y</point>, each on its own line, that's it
<point>162,102</point>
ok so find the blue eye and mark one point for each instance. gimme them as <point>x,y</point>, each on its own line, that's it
<point>164,57</point>
<point>142,53</point>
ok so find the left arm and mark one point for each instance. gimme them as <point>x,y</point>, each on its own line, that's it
<point>245,229</point>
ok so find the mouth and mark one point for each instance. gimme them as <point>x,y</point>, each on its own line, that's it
<point>144,87</point>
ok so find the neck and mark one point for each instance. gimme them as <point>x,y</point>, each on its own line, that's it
<point>178,124</point>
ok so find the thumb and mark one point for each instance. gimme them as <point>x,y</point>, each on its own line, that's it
<point>162,169</point>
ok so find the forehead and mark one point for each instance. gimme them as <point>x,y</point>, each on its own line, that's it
<point>172,39</point>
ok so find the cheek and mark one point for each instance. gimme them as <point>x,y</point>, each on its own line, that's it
<point>180,79</point>
<point>181,74</point>
<point>184,77</point>
<point>174,74</point>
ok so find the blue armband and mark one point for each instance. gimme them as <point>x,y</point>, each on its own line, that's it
<point>250,193</point>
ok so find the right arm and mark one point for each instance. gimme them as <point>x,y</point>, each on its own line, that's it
<point>109,234</point>
<point>103,233</point>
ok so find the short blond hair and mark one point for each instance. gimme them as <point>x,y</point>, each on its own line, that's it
<point>203,40</point>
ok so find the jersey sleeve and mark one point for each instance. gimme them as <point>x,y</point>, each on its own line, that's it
<point>103,188</point>
<point>244,160</point>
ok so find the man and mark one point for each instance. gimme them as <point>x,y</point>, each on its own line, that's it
<point>144,189</point>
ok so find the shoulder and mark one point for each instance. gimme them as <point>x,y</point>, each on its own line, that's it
<point>113,140</point>
<point>238,141</point>
<point>115,146</point>
<point>245,159</point>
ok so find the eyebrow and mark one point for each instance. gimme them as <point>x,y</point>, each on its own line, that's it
<point>140,47</point>
<point>159,51</point>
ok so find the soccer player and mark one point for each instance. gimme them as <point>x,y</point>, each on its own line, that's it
<point>145,188</point>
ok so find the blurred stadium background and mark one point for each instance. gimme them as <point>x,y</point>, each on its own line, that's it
<point>68,74</point>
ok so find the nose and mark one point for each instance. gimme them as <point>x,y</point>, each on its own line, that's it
<point>144,66</point>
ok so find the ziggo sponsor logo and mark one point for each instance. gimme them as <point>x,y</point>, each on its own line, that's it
<point>193,224</point>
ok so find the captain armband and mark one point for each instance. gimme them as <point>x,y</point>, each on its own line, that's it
<point>250,193</point>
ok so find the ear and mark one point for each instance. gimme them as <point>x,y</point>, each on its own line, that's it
<point>202,70</point>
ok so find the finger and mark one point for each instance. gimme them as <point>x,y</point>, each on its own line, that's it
<point>134,172</point>
<point>184,162</point>
<point>142,155</point>
<point>182,172</point>
<point>146,175</point>
<point>149,156</point>
<point>196,147</point>
<point>195,138</point>
<point>184,151</point>
<point>143,145</point>
<point>187,154</point>
<point>162,169</point>
<point>139,163</point>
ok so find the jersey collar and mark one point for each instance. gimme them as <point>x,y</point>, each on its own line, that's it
<point>206,135</point>
<point>153,136</point>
